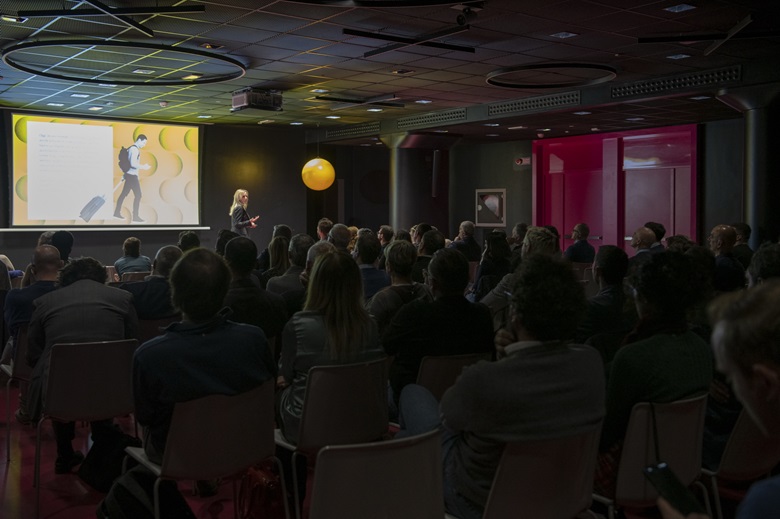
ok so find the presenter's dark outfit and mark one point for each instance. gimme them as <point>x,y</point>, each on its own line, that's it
<point>239,221</point>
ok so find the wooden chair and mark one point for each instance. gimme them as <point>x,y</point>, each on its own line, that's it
<point>749,455</point>
<point>216,436</point>
<point>110,273</point>
<point>396,478</point>
<point>680,429</point>
<point>439,373</point>
<point>17,371</point>
<point>344,404</point>
<point>87,381</point>
<point>134,276</point>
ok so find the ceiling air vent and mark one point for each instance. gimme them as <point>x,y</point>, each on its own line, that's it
<point>670,85</point>
<point>535,104</point>
<point>356,130</point>
<point>414,122</point>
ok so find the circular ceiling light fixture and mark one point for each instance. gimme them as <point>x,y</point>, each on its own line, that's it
<point>93,61</point>
<point>552,75</point>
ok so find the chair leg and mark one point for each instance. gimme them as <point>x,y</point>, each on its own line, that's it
<point>611,511</point>
<point>716,497</point>
<point>705,495</point>
<point>157,498</point>
<point>296,493</point>
<point>8,420</point>
<point>37,470</point>
<point>284,486</point>
<point>235,499</point>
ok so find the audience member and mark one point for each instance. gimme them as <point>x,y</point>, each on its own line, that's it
<point>367,251</point>
<point>82,309</point>
<point>205,354</point>
<point>132,261</point>
<point>279,260</point>
<point>554,231</point>
<point>742,251</point>
<point>323,228</point>
<point>188,240</point>
<point>63,240</point>
<point>152,296</point>
<point>516,242</point>
<point>339,236</point>
<point>679,243</point>
<point>729,273</point>
<point>641,241</point>
<point>249,303</point>
<point>223,237</point>
<point>318,249</point>
<point>494,265</point>
<point>449,325</point>
<point>659,231</point>
<point>289,285</point>
<point>605,310</point>
<point>430,242</point>
<point>401,255</point>
<point>418,231</point>
<point>353,235</point>
<point>385,235</point>
<point>28,278</point>
<point>764,264</point>
<point>580,251</point>
<point>264,259</point>
<point>543,387</point>
<point>465,242</point>
<point>403,234</point>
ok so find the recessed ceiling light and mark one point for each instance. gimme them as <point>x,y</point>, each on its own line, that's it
<point>95,108</point>
<point>82,96</point>
<point>491,124</point>
<point>594,129</point>
<point>679,8</point>
<point>204,117</point>
<point>190,77</point>
<point>211,46</point>
<point>265,121</point>
<point>374,110</point>
<point>517,128</point>
<point>582,113</point>
<point>319,91</point>
<point>12,19</point>
<point>109,85</point>
<point>423,102</point>
<point>678,56</point>
<point>491,135</point>
<point>144,71</point>
<point>402,71</point>
<point>365,144</point>
<point>543,129</point>
<point>635,119</point>
<point>700,98</point>
<point>441,131</point>
<point>564,34</point>
<point>296,123</point>
<point>332,117</point>
<point>379,143</point>
<point>55,104</point>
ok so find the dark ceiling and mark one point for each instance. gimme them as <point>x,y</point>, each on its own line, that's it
<point>356,53</point>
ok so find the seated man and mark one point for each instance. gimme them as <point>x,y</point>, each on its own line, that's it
<point>729,273</point>
<point>580,251</point>
<point>542,387</point>
<point>605,309</point>
<point>367,249</point>
<point>289,285</point>
<point>132,261</point>
<point>204,354</point>
<point>430,242</point>
<point>449,325</point>
<point>465,242</point>
<point>152,296</point>
<point>83,309</point>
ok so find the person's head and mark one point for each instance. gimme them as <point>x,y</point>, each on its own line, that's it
<point>610,264</point>
<point>765,264</point>
<point>539,240</point>
<point>430,242</point>
<point>241,256</point>
<point>722,239</point>
<point>554,231</point>
<point>82,268</point>
<point>277,252</point>
<point>548,302</point>
<point>659,231</point>
<point>448,272</point>
<point>46,263</point>
<point>367,248</point>
<point>188,240</point>
<point>581,231</point>
<point>402,235</point>
<point>165,259</point>
<point>140,141</point>
<point>353,234</point>
<point>199,283</point>
<point>643,238</point>
<point>662,286</point>
<point>703,261</point>
<point>323,228</point>
<point>315,251</point>
<point>419,231</point>
<point>63,240</point>
<point>45,238</point>
<point>400,256</point>
<point>679,243</point>
<point>518,232</point>
<point>335,291</point>
<point>223,237</point>
<point>746,342</point>
<point>743,231</point>
<point>385,234</point>
<point>132,247</point>
<point>298,248</point>
<point>240,197</point>
<point>282,230</point>
<point>496,246</point>
<point>466,229</point>
<point>339,236</point>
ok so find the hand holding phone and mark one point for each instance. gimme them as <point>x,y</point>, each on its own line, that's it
<point>671,489</point>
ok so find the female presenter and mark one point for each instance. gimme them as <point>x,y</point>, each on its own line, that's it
<point>239,218</point>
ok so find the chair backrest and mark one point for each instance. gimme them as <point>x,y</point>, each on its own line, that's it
<point>680,427</point>
<point>21,370</point>
<point>110,272</point>
<point>344,404</point>
<point>151,328</point>
<point>438,374</point>
<point>90,380</point>
<point>582,270</point>
<point>134,276</point>
<point>545,478</point>
<point>396,478</point>
<point>749,453</point>
<point>220,435</point>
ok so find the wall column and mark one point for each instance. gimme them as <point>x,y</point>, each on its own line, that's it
<point>393,141</point>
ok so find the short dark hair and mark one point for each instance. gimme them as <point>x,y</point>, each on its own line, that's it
<point>132,247</point>
<point>82,268</point>
<point>165,259</point>
<point>664,281</point>
<point>199,283</point>
<point>658,229</point>
<point>613,262</point>
<point>368,247</point>
<point>241,255</point>
<point>742,229</point>
<point>63,240</point>
<point>188,240</point>
<point>223,237</point>
<point>299,248</point>
<point>400,256</point>
<point>432,241</point>
<point>282,230</point>
<point>402,235</point>
<point>387,232</point>
<point>324,225</point>
<point>765,263</point>
<point>679,242</point>
<point>547,298</point>
<point>451,269</point>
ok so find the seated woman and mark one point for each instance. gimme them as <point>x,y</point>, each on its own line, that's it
<point>280,259</point>
<point>333,328</point>
<point>494,265</point>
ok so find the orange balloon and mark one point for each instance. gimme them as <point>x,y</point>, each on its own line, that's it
<point>318,174</point>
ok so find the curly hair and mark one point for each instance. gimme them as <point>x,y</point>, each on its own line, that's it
<point>664,282</point>
<point>82,268</point>
<point>547,298</point>
<point>765,263</point>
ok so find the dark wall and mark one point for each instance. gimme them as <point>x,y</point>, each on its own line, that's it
<point>265,161</point>
<point>722,161</point>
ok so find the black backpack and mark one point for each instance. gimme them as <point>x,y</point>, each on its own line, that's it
<point>124,159</point>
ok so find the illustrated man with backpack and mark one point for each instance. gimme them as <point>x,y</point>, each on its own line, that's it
<point>130,163</point>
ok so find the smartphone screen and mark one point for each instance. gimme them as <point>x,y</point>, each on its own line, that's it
<point>671,489</point>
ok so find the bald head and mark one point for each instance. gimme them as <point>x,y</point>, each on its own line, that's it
<point>722,239</point>
<point>46,262</point>
<point>643,238</point>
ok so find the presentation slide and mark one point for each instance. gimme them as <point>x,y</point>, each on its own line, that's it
<point>100,172</point>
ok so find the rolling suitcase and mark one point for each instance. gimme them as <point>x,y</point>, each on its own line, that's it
<point>95,204</point>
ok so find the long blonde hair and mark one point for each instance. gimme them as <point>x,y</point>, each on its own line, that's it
<point>336,292</point>
<point>237,200</point>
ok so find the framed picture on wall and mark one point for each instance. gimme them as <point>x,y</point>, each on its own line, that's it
<point>490,208</point>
